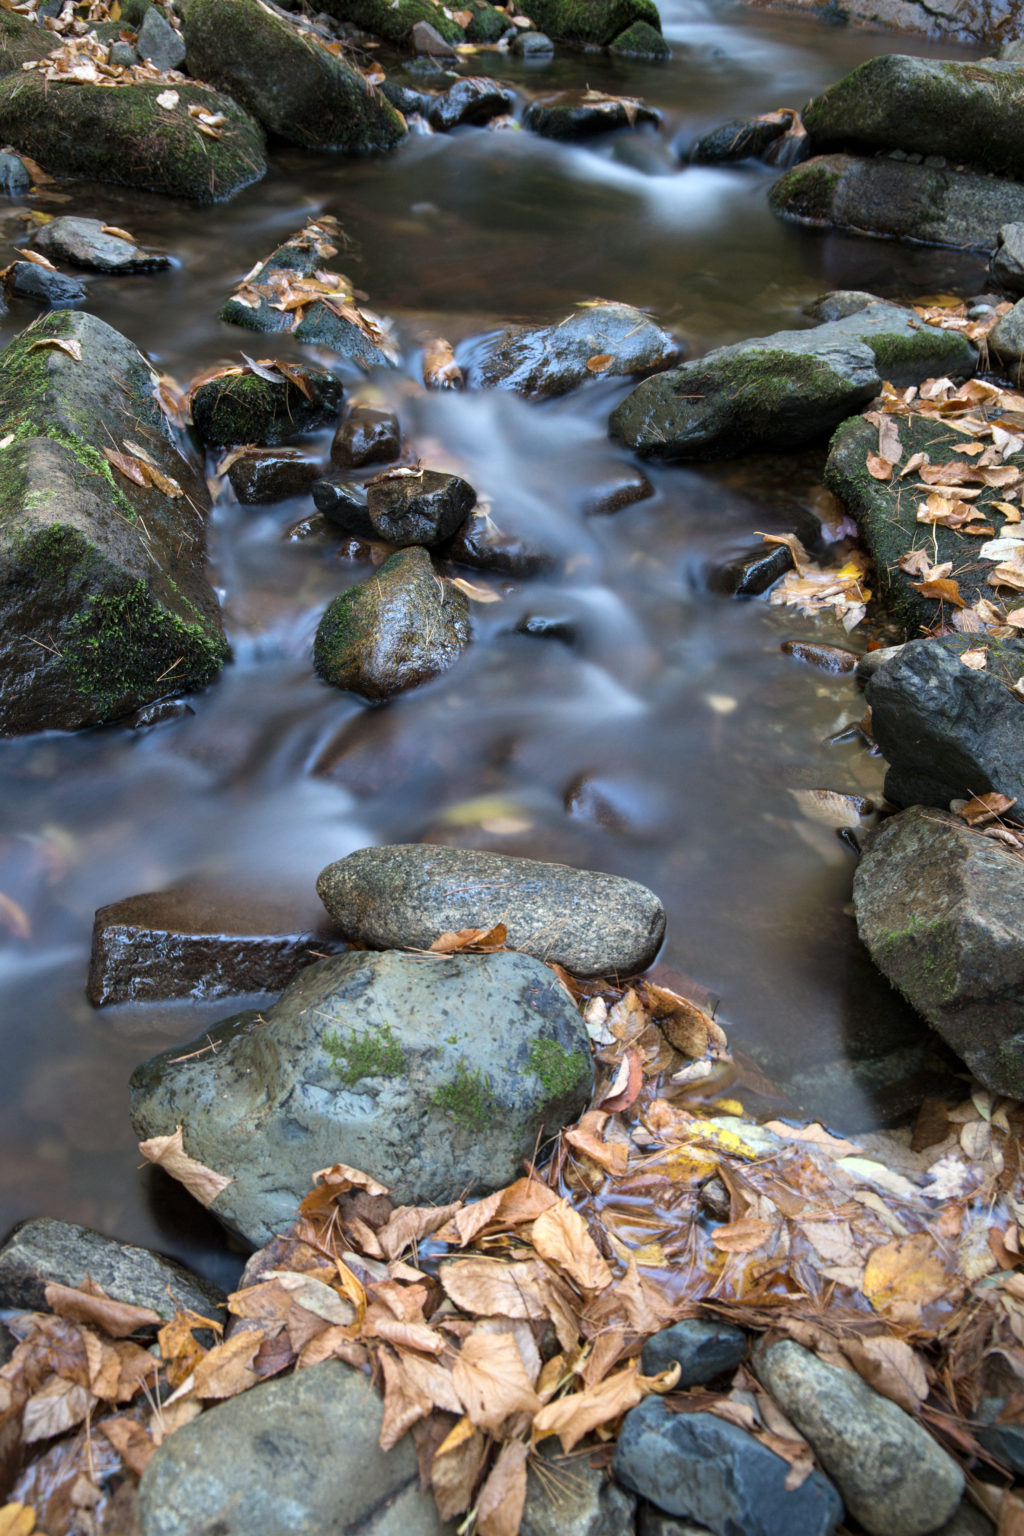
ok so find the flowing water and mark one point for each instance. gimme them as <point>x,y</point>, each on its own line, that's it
<point>659,740</point>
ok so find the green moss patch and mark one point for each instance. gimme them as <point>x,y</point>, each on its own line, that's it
<point>467,1099</point>
<point>559,1070</point>
<point>357,1054</point>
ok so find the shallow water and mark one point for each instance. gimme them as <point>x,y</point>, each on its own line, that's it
<point>661,743</point>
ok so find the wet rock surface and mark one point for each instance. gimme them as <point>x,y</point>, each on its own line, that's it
<point>472,102</point>
<point>485,545</point>
<point>247,407</point>
<point>41,285</point>
<point>397,629</point>
<point>1007,265</point>
<point>418,506</point>
<point>367,434</point>
<point>271,474</point>
<point>382,1061</point>
<point>343,503</point>
<point>701,1349</point>
<point>641,41</point>
<point>409,894</point>
<point>752,574</point>
<point>614,338</point>
<point>15,176</point>
<point>396,22</point>
<point>582,114</point>
<point>758,138</point>
<point>89,243</point>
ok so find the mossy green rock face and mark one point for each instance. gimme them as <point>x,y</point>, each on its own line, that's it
<point>938,906</point>
<point>898,201</point>
<point>971,112</point>
<point>430,1077</point>
<point>286,79</point>
<point>103,602</point>
<point>398,628</point>
<point>246,408</point>
<point>641,41</point>
<point>589,21</point>
<point>488,23</point>
<point>21,39</point>
<point>393,20</point>
<point>120,134</point>
<point>786,390</point>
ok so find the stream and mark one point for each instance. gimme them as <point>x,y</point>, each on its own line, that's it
<point>659,739</point>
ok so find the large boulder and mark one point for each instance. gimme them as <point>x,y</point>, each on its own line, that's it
<point>897,200</point>
<point>287,78</point>
<point>971,112</point>
<point>394,20</point>
<point>104,605</point>
<point>121,133</point>
<point>589,21</point>
<point>430,1075</point>
<point>938,905</point>
<point>595,340</point>
<point>409,894</point>
<point>785,390</point>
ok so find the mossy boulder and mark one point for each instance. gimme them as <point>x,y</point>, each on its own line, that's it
<point>489,23</point>
<point>393,631</point>
<point>641,41</point>
<point>970,111</point>
<point>121,134</point>
<point>250,408</point>
<point>103,602</point>
<point>431,1078</point>
<point>21,40</point>
<point>589,21</point>
<point>287,79</point>
<point>393,20</point>
<point>895,200</point>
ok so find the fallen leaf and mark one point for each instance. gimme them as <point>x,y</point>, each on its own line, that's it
<point>456,1467</point>
<point>601,363</point>
<point>985,808</point>
<point>628,1081</point>
<point>491,1380</point>
<point>908,1270</point>
<point>17,1520</point>
<point>57,1406</point>
<point>562,1237</point>
<point>890,1366</point>
<point>168,100</point>
<point>744,1236</point>
<point>72,348</point>
<point>440,370</point>
<point>943,590</point>
<point>976,660</point>
<point>499,1506</point>
<point>168,1152</point>
<point>879,468</point>
<point>118,1319</point>
<point>474,590</point>
<point>575,1415</point>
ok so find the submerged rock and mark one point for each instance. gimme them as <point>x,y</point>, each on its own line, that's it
<point>786,390</point>
<point>102,588</point>
<point>895,199</point>
<point>532,45</point>
<point>418,506</point>
<point>894,1477</point>
<point>938,905</point>
<point>599,21</point>
<point>581,114</point>
<point>553,359</point>
<point>122,134</point>
<point>397,629</point>
<point>43,285</point>
<point>88,243</point>
<point>247,407</point>
<point>287,79</point>
<point>381,1061</point>
<point>366,435</point>
<point>409,894</point>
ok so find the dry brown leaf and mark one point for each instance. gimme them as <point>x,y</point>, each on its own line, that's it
<point>879,468</point>
<point>456,1467</point>
<point>585,1137</point>
<point>985,808</point>
<point>976,660</point>
<point>130,1441</point>
<point>440,370</point>
<point>475,591</point>
<point>575,1415</point>
<point>494,1287</point>
<point>601,362</point>
<point>943,590</point>
<point>491,1380</point>
<point>57,1406</point>
<point>72,348</point>
<point>483,940</point>
<point>815,1134</point>
<point>744,1236</point>
<point>408,1223</point>
<point>499,1507</point>
<point>168,1153</point>
<point>562,1237</point>
<point>118,1319</point>
<point>225,1370</point>
<point>890,1366</point>
<point>625,1088</point>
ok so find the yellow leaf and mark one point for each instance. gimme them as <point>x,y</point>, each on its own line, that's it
<point>17,1520</point>
<point>907,1270</point>
<point>121,234</point>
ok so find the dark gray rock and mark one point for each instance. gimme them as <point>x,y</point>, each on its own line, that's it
<point>948,731</point>
<point>344,505</point>
<point>655,1522</point>
<point>271,474</point>
<point>387,1062</point>
<point>42,1252</point>
<point>894,199</point>
<point>426,38</point>
<point>1006,338</point>
<point>418,506</point>
<point>366,435</point>
<point>393,631</point>
<point>1007,265</point>
<point>158,43</point>
<point>702,1350</point>
<point>553,359</point>
<point>598,22</point>
<point>613,486</point>
<point>750,575</point>
<point>572,1498</point>
<point>938,906</point>
<point>409,894</point>
<point>1003,1441</point>
<point>248,407</point>
<point>84,243</point>
<point>43,285</point>
<point>15,176</point>
<point>970,111</point>
<point>705,1469</point>
<point>758,138</point>
<point>484,545</point>
<point>203,941</point>
<point>583,114</point>
<point>107,575</point>
<point>471,101</point>
<point>297,1456</point>
<point>641,41</point>
<point>785,390</point>
<point>893,1477</point>
<point>532,45</point>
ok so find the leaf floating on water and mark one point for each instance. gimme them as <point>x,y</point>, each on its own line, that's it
<point>744,1236</point>
<point>168,1153</point>
<point>475,591</point>
<point>908,1271</point>
<point>72,348</point>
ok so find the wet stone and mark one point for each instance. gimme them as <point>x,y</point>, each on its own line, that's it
<point>15,176</point>
<point>831,659</point>
<point>532,45</point>
<point>839,303</point>
<point>751,575</point>
<point>344,505</point>
<point>701,1349</point>
<point>159,713</point>
<point>571,1498</point>
<point>471,102</point>
<point>203,941</point>
<point>545,626</point>
<point>655,1522</point>
<point>158,43</point>
<point>366,435</point>
<point>122,54</point>
<point>616,488</point>
<point>418,506</point>
<point>641,41</point>
<point>582,114</point>
<point>248,408</point>
<point>553,359</point>
<point>85,243</point>
<point>483,545</point>
<point>756,139</point>
<point>26,280</point>
<point>271,474</point>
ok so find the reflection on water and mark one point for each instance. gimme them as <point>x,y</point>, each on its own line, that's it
<point>655,732</point>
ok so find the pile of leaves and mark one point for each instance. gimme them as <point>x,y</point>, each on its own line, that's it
<point>813,589</point>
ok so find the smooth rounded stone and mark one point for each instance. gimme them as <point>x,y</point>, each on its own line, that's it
<point>344,505</point>
<point>971,111</point>
<point>938,906</point>
<point>386,1062</point>
<point>271,474</point>
<point>552,359</point>
<point>701,1349</point>
<point>485,546</point>
<point>1007,265</point>
<point>43,1252</point>
<point>752,574</point>
<point>409,894</point>
<point>599,21</point>
<point>249,408</point>
<point>706,1469</point>
<point>121,134</point>
<point>473,101</point>
<point>393,631</point>
<point>1006,337</point>
<point>532,45</point>
<point>85,243</point>
<point>201,940</point>
<point>641,41</point>
<point>122,55</point>
<point>751,139</point>
<point>27,280</point>
<point>426,38</point>
<point>418,506</point>
<point>893,1477</point>
<point>295,1456</point>
<point>366,435</point>
<point>15,176</point>
<point>614,487</point>
<point>158,43</point>
<point>572,1498</point>
<point>582,114</point>
<point>785,390</point>
<point>839,303</point>
<point>894,199</point>
<point>290,84</point>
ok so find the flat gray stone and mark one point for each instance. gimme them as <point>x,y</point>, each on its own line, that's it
<point>572,1498</point>
<point>700,1348</point>
<point>407,895</point>
<point>432,1075</point>
<point>83,242</point>
<point>158,43</point>
<point>894,1478</point>
<point>552,359</point>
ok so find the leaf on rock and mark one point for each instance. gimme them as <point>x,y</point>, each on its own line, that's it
<point>168,1153</point>
<point>408,1223</point>
<point>72,348</point>
<point>879,468</point>
<point>118,1319</point>
<point>130,1441</point>
<point>480,940</point>
<point>890,1366</point>
<point>986,808</point>
<point>943,590</point>
<point>168,100</point>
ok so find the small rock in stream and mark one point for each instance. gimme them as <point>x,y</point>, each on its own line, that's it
<point>263,475</point>
<point>89,243</point>
<point>158,43</point>
<point>470,101</point>
<point>572,115</point>
<point>761,138</point>
<point>641,41</point>
<point>597,340</point>
<point>832,659</point>
<point>1007,265</point>
<point>418,506</point>
<point>701,1349</point>
<point>427,39</point>
<point>483,545</point>
<point>598,22</point>
<point>752,574</point>
<point>366,435</point>
<point>343,503</point>
<point>15,176</point>
<point>43,285</point>
<point>247,407</point>
<point>532,45</point>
